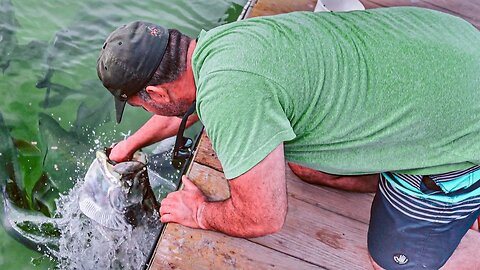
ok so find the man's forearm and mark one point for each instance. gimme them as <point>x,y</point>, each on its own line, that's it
<point>156,129</point>
<point>241,220</point>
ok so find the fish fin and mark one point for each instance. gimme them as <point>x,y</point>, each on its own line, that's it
<point>26,148</point>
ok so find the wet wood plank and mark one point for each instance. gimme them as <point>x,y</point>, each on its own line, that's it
<point>211,182</point>
<point>313,232</point>
<point>185,248</point>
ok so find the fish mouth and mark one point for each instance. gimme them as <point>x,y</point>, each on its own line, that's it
<point>117,195</point>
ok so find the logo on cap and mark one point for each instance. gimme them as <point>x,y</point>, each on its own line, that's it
<point>153,31</point>
<point>400,259</point>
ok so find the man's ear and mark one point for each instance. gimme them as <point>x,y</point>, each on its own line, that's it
<point>158,93</point>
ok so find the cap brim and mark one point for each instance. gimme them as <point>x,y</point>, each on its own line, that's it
<point>119,107</point>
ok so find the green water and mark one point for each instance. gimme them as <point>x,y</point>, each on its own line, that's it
<point>48,130</point>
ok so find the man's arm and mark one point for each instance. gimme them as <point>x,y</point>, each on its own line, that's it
<point>257,206</point>
<point>157,128</point>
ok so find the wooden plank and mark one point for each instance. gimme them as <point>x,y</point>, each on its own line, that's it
<point>368,4</point>
<point>212,183</point>
<point>468,10</point>
<point>321,237</point>
<point>313,231</point>
<point>206,155</point>
<point>352,205</point>
<point>272,7</point>
<point>185,248</point>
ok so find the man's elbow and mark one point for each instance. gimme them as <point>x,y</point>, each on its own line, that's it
<point>268,223</point>
<point>272,225</point>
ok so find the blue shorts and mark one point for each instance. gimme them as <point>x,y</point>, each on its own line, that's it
<point>409,231</point>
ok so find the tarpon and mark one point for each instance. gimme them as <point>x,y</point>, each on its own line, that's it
<point>8,26</point>
<point>118,195</point>
<point>69,46</point>
<point>64,152</point>
<point>31,228</point>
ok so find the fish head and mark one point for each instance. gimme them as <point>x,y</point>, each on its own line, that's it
<point>132,181</point>
<point>105,167</point>
<point>127,179</point>
<point>117,194</point>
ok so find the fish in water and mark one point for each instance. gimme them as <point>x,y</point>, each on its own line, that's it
<point>70,46</point>
<point>8,26</point>
<point>64,150</point>
<point>29,227</point>
<point>119,195</point>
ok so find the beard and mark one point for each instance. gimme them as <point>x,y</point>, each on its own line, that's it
<point>171,109</point>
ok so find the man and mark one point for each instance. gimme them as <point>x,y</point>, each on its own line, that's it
<point>348,99</point>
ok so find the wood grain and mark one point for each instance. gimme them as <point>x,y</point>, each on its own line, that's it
<point>321,237</point>
<point>468,10</point>
<point>313,232</point>
<point>352,205</point>
<point>186,248</point>
<point>205,154</point>
<point>272,7</point>
<point>211,182</point>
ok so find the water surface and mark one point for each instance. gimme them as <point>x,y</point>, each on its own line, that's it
<point>54,112</point>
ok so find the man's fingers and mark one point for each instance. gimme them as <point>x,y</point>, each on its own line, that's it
<point>165,209</point>
<point>167,218</point>
<point>166,202</point>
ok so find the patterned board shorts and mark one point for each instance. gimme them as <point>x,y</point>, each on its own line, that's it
<point>417,222</point>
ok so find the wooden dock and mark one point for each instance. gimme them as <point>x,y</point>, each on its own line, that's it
<point>324,229</point>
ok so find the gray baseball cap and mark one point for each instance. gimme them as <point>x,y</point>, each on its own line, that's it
<point>129,58</point>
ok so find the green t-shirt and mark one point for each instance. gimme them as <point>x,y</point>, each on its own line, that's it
<point>391,89</point>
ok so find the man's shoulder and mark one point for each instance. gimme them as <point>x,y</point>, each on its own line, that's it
<point>233,81</point>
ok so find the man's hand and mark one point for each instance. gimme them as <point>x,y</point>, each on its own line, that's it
<point>182,206</point>
<point>121,151</point>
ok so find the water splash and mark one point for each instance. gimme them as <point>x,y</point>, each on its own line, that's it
<point>84,244</point>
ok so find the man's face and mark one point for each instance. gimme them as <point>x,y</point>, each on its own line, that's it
<point>155,105</point>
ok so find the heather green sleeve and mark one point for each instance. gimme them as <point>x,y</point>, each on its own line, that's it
<point>244,118</point>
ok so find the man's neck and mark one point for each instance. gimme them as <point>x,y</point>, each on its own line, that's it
<point>190,92</point>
